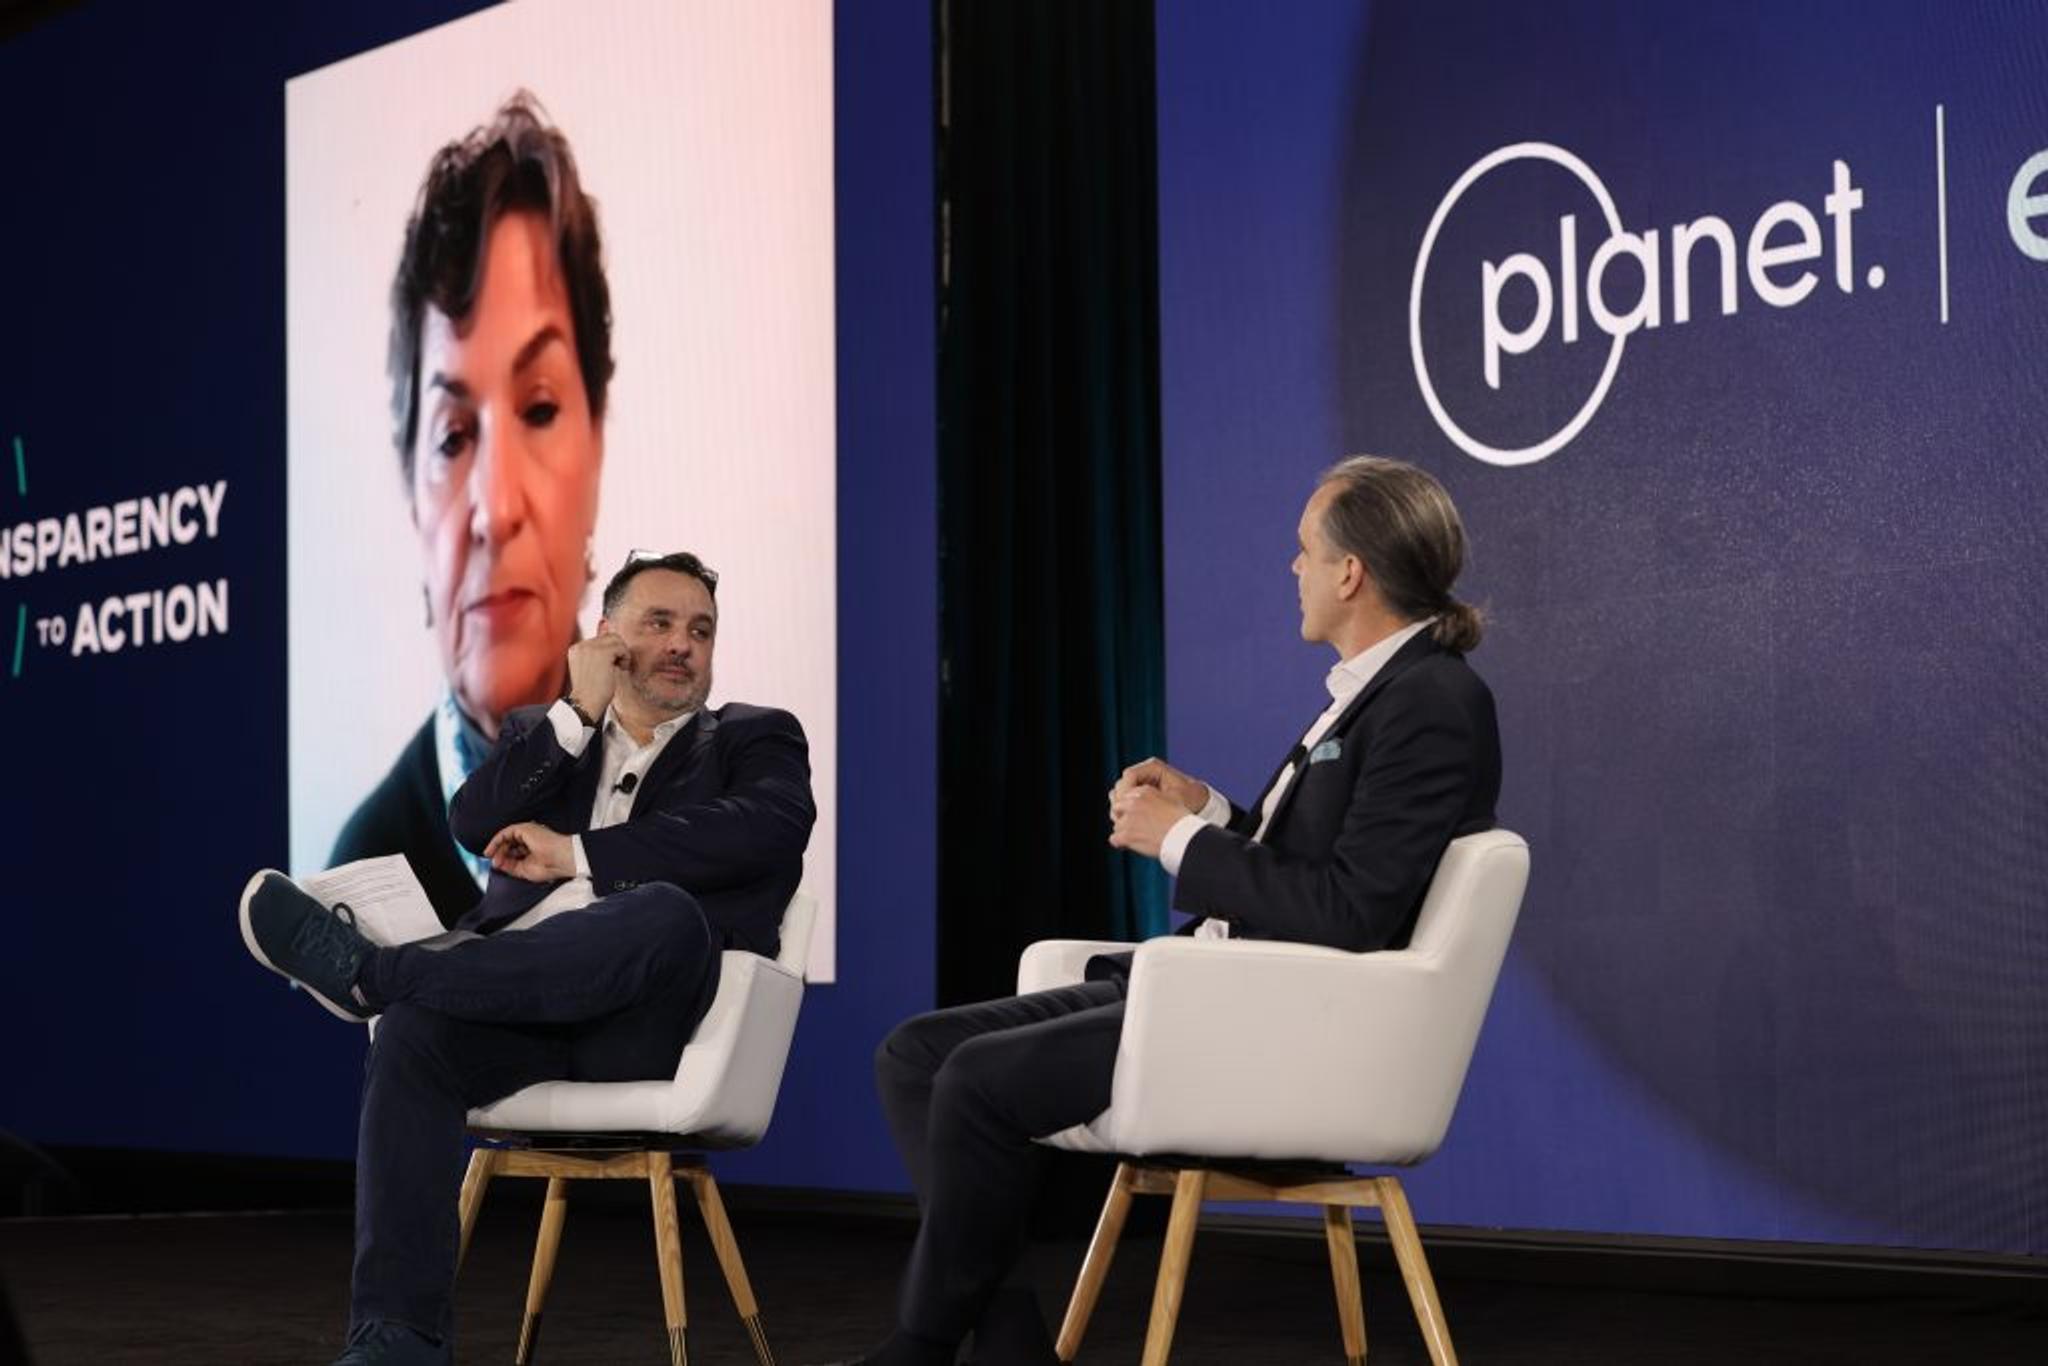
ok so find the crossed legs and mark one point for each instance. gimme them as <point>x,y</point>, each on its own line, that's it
<point>607,993</point>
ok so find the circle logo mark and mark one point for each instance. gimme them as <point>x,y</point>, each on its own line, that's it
<point>1471,445</point>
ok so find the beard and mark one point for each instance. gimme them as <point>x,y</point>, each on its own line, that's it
<point>670,691</point>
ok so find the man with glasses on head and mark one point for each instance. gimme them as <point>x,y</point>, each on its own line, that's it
<point>633,833</point>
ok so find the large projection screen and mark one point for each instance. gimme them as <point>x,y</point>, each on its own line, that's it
<point>704,134</point>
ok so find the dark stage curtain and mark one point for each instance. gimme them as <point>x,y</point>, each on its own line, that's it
<point>1049,543</point>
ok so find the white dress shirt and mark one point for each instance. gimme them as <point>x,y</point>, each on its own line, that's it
<point>1345,681</point>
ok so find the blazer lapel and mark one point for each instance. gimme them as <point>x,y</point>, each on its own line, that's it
<point>682,755</point>
<point>1259,803</point>
<point>1405,658</point>
<point>1420,646</point>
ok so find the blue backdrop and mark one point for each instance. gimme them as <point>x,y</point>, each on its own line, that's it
<point>1762,639</point>
<point>1763,632</point>
<point>144,350</point>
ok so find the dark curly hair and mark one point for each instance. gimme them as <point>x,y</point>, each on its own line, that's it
<point>516,163</point>
<point>640,561</point>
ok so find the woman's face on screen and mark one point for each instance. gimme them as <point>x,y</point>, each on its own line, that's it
<point>505,477</point>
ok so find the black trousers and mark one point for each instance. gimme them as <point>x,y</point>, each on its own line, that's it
<point>965,1090</point>
<point>610,992</point>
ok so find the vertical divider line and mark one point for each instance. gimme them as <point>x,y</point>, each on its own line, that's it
<point>20,636</point>
<point>1941,198</point>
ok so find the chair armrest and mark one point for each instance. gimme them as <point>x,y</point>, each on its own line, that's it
<point>730,1073</point>
<point>1260,1049</point>
<point>1060,962</point>
<point>724,1090</point>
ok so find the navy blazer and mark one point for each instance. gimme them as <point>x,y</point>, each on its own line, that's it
<point>1411,764</point>
<point>724,813</point>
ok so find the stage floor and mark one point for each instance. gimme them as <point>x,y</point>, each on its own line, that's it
<point>248,1290</point>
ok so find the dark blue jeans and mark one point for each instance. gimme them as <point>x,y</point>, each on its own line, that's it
<point>611,992</point>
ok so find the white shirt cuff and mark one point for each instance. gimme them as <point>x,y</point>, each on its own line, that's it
<point>1216,811</point>
<point>1175,846</point>
<point>570,731</point>
<point>582,859</point>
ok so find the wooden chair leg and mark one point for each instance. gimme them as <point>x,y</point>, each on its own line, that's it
<point>552,1211</point>
<point>1173,1264</point>
<point>727,1247</point>
<point>668,1250</point>
<point>1436,1334</point>
<point>483,1163</point>
<point>1095,1267</point>
<point>1343,1240</point>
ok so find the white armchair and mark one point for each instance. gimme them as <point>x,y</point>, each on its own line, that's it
<point>1237,1054</point>
<point>721,1097</point>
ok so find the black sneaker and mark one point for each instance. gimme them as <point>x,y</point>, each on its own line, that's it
<point>381,1343</point>
<point>295,936</point>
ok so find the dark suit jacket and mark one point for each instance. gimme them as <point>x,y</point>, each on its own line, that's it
<point>406,814</point>
<point>724,814</point>
<point>1357,836</point>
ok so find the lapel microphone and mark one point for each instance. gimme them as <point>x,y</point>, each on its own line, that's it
<point>627,784</point>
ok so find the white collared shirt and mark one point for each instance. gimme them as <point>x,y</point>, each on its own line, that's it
<point>623,755</point>
<point>1345,681</point>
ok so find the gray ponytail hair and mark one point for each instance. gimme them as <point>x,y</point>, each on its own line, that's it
<point>1403,527</point>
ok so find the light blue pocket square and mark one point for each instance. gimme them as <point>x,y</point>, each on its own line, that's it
<point>1328,749</point>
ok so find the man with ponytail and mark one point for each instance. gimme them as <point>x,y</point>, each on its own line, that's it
<point>1338,850</point>
<point>1341,846</point>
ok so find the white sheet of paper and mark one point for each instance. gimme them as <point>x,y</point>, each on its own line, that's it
<point>390,905</point>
